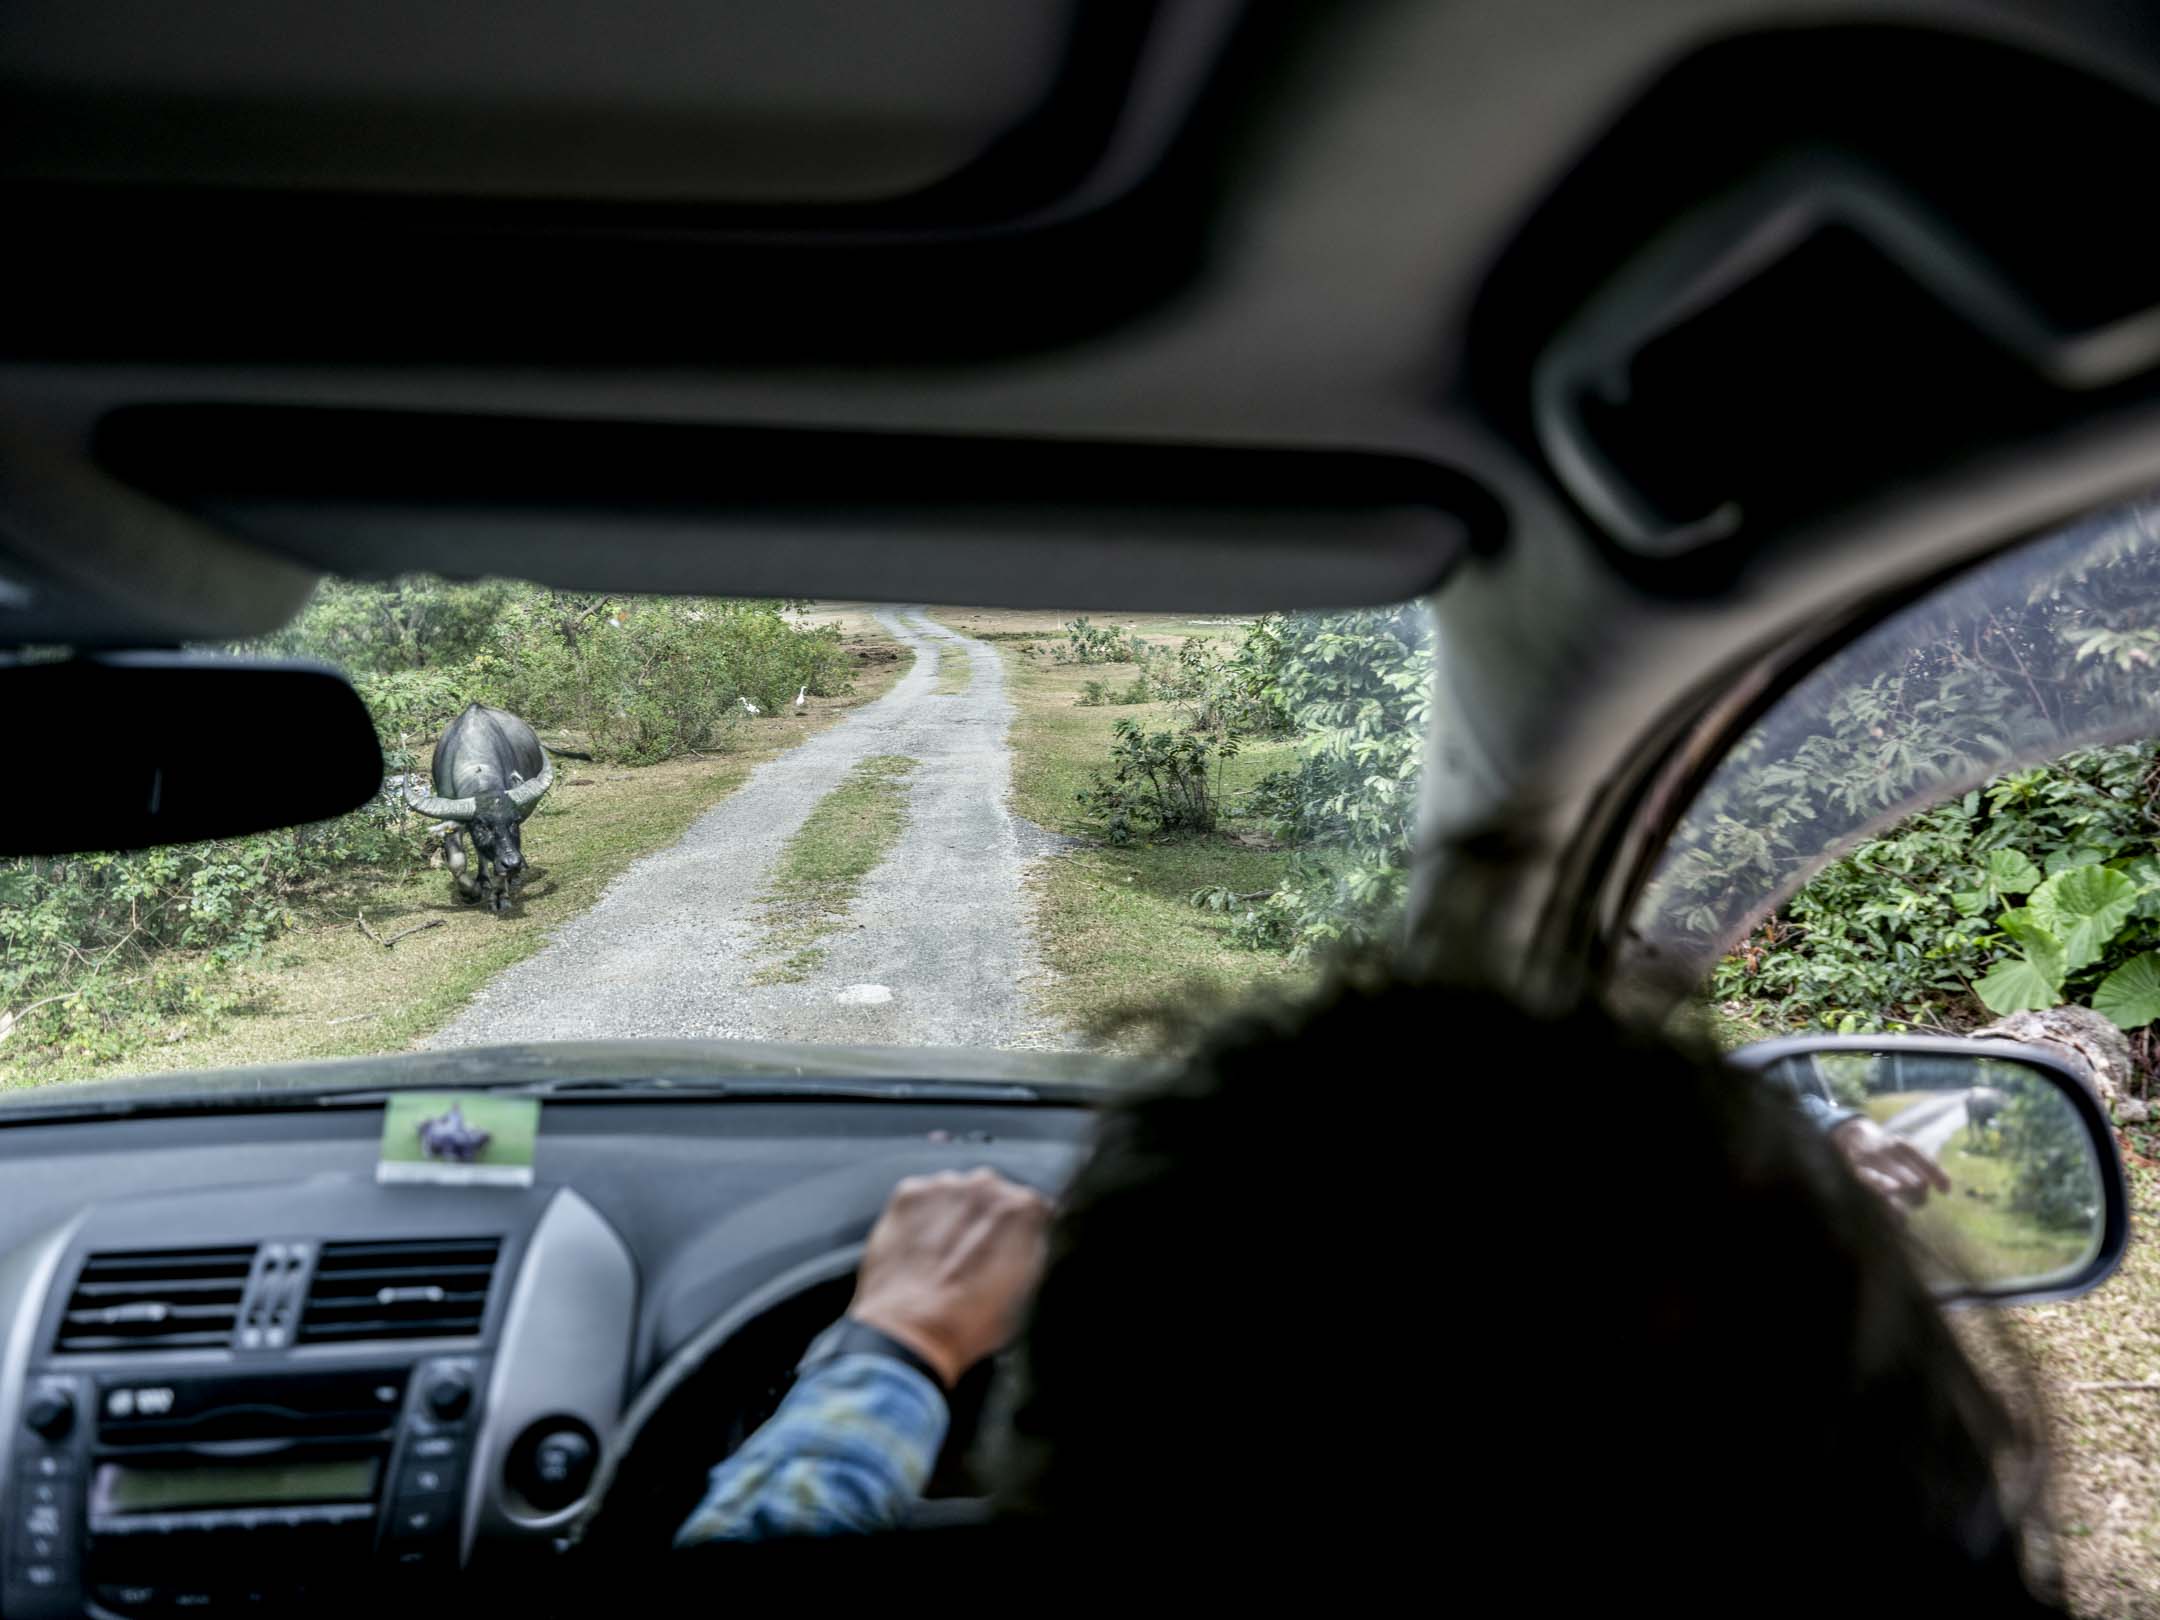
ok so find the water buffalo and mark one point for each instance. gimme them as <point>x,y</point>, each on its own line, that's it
<point>1983,1106</point>
<point>490,771</point>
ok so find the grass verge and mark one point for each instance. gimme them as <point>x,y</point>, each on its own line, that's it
<point>2104,1442</point>
<point>1975,1225</point>
<point>824,864</point>
<point>1116,927</point>
<point>324,990</point>
<point>954,670</point>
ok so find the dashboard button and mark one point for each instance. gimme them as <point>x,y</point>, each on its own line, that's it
<point>130,1599</point>
<point>419,1517</point>
<point>435,1447</point>
<point>448,1396</point>
<point>50,1412</point>
<point>428,1479</point>
<point>552,1464</point>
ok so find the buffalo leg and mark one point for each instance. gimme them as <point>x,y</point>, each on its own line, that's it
<point>467,887</point>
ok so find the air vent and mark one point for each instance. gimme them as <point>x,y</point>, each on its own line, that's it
<point>156,1299</point>
<point>432,1289</point>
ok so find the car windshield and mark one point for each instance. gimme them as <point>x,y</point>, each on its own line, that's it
<point>2049,648</point>
<point>828,824</point>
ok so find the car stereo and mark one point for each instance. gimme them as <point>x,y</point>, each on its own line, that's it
<point>136,1495</point>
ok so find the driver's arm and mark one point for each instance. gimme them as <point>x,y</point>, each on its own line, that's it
<point>941,1285</point>
<point>1893,1167</point>
<point>848,1449</point>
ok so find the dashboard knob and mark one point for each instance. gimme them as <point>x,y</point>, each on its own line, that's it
<point>50,1413</point>
<point>448,1396</point>
<point>554,1467</point>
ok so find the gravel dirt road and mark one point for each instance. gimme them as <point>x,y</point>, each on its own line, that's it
<point>934,951</point>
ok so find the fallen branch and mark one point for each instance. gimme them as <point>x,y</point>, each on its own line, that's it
<point>2116,1383</point>
<point>403,933</point>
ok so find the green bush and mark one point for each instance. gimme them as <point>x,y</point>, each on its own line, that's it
<point>2025,659</point>
<point>416,622</point>
<point>650,679</point>
<point>1159,782</point>
<point>1356,688</point>
<point>2042,886</point>
<point>2050,1158</point>
<point>1101,694</point>
<point>1089,643</point>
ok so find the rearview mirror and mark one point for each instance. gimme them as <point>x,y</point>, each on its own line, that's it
<point>126,750</point>
<point>1999,1155</point>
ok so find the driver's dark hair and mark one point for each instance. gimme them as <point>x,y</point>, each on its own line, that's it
<point>1408,1278</point>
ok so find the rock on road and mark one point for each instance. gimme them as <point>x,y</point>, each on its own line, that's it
<point>935,950</point>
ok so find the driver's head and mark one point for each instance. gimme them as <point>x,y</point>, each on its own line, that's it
<point>1414,1273</point>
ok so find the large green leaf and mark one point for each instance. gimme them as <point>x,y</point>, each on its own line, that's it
<point>2010,871</point>
<point>2064,860</point>
<point>2028,983</point>
<point>2016,984</point>
<point>2144,871</point>
<point>2030,930</point>
<point>2130,996</point>
<point>2084,907</point>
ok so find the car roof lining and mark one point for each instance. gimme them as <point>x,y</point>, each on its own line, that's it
<point>814,105</point>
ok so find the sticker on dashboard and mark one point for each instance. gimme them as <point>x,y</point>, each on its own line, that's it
<point>459,1139</point>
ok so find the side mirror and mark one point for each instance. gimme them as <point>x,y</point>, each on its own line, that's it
<point>127,750</point>
<point>2035,1205</point>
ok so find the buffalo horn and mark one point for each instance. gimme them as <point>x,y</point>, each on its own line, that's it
<point>525,794</point>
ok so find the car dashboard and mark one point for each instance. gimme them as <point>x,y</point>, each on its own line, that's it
<point>239,1372</point>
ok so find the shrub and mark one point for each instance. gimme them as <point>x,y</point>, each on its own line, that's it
<point>1239,691</point>
<point>2050,1158</point>
<point>1357,689</point>
<point>1100,694</point>
<point>2023,660</point>
<point>1089,643</point>
<point>2039,887</point>
<point>1159,782</point>
<point>415,622</point>
<point>651,679</point>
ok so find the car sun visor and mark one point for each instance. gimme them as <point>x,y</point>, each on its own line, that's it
<point>794,512</point>
<point>136,749</point>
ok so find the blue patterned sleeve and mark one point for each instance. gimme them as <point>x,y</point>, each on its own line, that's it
<point>850,1447</point>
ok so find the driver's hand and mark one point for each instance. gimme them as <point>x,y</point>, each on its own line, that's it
<point>950,1264</point>
<point>1888,1163</point>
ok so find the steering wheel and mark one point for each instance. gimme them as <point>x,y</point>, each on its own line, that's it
<point>730,1374</point>
<point>725,1385</point>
